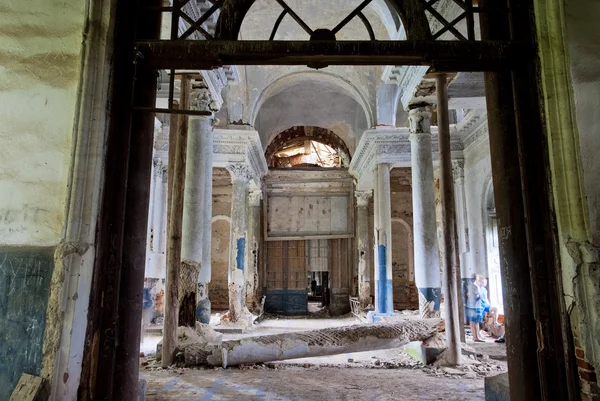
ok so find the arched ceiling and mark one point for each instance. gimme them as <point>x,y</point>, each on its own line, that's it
<point>263,14</point>
<point>312,102</point>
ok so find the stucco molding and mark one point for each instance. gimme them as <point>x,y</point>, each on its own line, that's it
<point>390,145</point>
<point>472,127</point>
<point>240,146</point>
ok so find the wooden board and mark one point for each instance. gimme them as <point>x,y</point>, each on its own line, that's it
<point>27,388</point>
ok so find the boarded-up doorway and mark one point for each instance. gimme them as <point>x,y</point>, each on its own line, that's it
<point>286,278</point>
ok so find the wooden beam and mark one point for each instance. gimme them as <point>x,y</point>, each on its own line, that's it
<point>448,252</point>
<point>177,152</point>
<point>442,55</point>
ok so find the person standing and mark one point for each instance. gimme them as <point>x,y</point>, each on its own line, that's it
<point>474,307</point>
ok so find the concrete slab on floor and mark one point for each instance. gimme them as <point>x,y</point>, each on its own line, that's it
<point>315,384</point>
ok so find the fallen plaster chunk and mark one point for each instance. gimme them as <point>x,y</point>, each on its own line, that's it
<point>324,342</point>
<point>190,337</point>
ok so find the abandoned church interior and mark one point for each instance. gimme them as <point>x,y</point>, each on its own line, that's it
<point>299,200</point>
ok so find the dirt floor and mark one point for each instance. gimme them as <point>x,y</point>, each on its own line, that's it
<point>372,375</point>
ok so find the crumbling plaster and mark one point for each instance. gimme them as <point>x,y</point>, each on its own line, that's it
<point>54,88</point>
<point>569,55</point>
<point>583,42</point>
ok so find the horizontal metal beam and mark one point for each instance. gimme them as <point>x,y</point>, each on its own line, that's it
<point>442,55</point>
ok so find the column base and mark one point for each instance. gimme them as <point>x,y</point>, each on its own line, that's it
<point>203,311</point>
<point>376,317</point>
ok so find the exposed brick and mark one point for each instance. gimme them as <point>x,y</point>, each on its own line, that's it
<point>584,365</point>
<point>579,352</point>
<point>587,376</point>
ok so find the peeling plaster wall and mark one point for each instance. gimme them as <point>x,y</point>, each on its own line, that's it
<point>41,53</point>
<point>581,269</point>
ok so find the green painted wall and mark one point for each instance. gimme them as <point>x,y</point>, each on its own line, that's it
<point>24,289</point>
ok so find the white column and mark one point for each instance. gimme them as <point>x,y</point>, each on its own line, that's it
<point>197,210</point>
<point>426,258</point>
<point>362,242</point>
<point>253,289</point>
<point>384,301</point>
<point>158,211</point>
<point>150,272</point>
<point>240,177</point>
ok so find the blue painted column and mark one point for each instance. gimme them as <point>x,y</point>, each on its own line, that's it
<point>240,178</point>
<point>384,300</point>
<point>426,259</point>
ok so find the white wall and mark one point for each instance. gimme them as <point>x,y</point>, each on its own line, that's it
<point>40,51</point>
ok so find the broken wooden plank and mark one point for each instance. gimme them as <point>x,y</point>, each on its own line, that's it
<point>28,388</point>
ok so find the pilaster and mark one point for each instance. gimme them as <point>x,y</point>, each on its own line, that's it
<point>362,239</point>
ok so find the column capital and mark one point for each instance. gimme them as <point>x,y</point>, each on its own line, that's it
<point>239,172</point>
<point>419,119</point>
<point>201,99</point>
<point>363,197</point>
<point>254,197</point>
<point>159,168</point>
<point>458,169</point>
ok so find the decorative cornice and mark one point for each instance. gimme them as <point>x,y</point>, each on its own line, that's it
<point>363,197</point>
<point>240,146</point>
<point>390,145</point>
